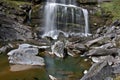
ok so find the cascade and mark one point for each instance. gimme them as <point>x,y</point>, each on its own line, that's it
<point>85,12</point>
<point>64,16</point>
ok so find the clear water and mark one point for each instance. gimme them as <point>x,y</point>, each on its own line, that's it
<point>64,69</point>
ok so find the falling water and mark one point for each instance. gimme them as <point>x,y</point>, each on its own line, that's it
<point>50,17</point>
<point>64,16</point>
<point>85,12</point>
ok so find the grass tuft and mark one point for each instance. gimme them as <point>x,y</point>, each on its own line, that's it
<point>113,7</point>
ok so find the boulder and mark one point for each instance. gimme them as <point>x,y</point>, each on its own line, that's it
<point>26,60</point>
<point>98,71</point>
<point>116,69</point>
<point>109,59</point>
<point>58,49</point>
<point>80,47</point>
<point>76,47</point>
<point>25,56</point>
<point>89,43</point>
<point>108,45</point>
<point>3,49</point>
<point>22,46</point>
<point>116,60</point>
<point>102,52</point>
<point>71,53</point>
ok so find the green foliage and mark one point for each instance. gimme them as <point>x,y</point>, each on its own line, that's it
<point>113,7</point>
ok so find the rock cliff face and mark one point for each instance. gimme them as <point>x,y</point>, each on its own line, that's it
<point>12,30</point>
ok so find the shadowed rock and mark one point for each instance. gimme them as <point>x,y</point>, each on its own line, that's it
<point>89,43</point>
<point>116,69</point>
<point>71,53</point>
<point>12,30</point>
<point>5,48</point>
<point>102,52</point>
<point>98,71</point>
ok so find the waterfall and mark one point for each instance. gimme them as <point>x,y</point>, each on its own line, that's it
<point>30,15</point>
<point>63,16</point>
<point>85,12</point>
<point>50,17</point>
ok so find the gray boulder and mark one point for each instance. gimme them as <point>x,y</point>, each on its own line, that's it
<point>22,46</point>
<point>58,49</point>
<point>3,49</point>
<point>98,71</point>
<point>102,52</point>
<point>116,68</point>
<point>71,52</point>
<point>109,59</point>
<point>25,56</point>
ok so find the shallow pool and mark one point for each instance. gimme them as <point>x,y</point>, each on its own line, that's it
<point>64,69</point>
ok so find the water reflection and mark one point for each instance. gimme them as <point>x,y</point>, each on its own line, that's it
<point>64,69</point>
<point>22,67</point>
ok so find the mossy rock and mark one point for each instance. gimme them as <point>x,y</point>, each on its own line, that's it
<point>37,14</point>
<point>15,3</point>
<point>35,11</point>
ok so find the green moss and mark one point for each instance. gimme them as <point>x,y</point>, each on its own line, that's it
<point>113,7</point>
<point>36,8</point>
<point>15,3</point>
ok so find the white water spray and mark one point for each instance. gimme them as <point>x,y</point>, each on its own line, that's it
<point>85,13</point>
<point>64,15</point>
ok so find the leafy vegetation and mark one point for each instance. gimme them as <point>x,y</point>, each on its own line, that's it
<point>113,7</point>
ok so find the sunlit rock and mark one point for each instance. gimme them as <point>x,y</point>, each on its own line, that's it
<point>52,77</point>
<point>22,46</point>
<point>25,55</point>
<point>109,59</point>
<point>58,49</point>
